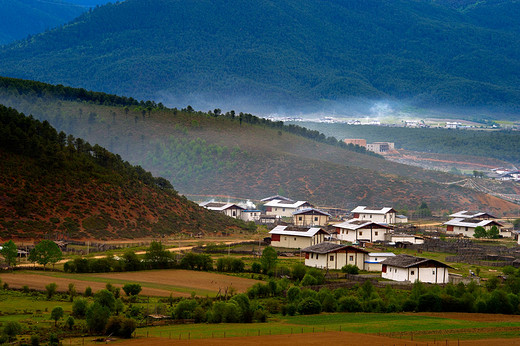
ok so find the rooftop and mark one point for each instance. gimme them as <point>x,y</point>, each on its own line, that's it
<point>462,222</point>
<point>354,224</point>
<point>326,247</point>
<point>407,261</point>
<point>313,211</point>
<point>471,214</point>
<point>363,209</point>
<point>295,231</point>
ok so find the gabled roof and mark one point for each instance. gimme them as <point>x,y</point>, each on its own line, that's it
<point>326,247</point>
<point>300,232</point>
<point>219,206</point>
<point>363,210</point>
<point>472,223</point>
<point>354,224</point>
<point>381,254</point>
<point>284,204</point>
<point>471,214</point>
<point>311,211</point>
<point>278,197</point>
<point>407,261</point>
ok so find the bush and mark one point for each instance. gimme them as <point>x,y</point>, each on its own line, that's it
<point>132,289</point>
<point>88,291</point>
<point>309,306</point>
<point>350,269</point>
<point>121,326</point>
<point>12,329</point>
<point>256,267</point>
<point>293,294</point>
<point>309,280</point>
<point>97,317</point>
<point>291,309</point>
<point>51,289</point>
<point>349,304</point>
<point>185,309</point>
<point>298,271</point>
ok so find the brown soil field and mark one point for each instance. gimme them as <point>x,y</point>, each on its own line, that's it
<point>340,338</point>
<point>179,278</point>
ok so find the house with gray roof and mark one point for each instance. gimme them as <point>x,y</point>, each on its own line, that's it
<point>229,209</point>
<point>383,215</point>
<point>356,230</point>
<point>410,268</point>
<point>466,227</point>
<point>297,237</point>
<point>310,217</point>
<point>280,208</point>
<point>328,255</point>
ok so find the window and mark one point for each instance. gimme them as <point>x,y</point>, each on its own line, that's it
<point>433,272</point>
<point>412,272</point>
<point>350,258</point>
<point>312,255</point>
<point>315,218</point>
<point>299,218</point>
<point>376,232</point>
<point>234,213</point>
<point>317,256</point>
<point>283,209</point>
<point>360,233</point>
<point>332,258</point>
<point>295,238</point>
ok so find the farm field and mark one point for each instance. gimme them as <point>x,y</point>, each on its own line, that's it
<point>179,283</point>
<point>356,328</point>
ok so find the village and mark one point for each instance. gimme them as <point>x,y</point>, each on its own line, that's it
<point>333,243</point>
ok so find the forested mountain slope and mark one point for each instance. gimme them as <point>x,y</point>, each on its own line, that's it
<point>279,55</point>
<point>239,154</point>
<point>19,18</point>
<point>54,185</point>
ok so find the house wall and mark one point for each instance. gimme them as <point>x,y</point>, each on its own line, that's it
<point>432,275</point>
<point>310,220</point>
<point>335,260</point>
<point>280,212</point>
<point>413,240</point>
<point>362,233</point>
<point>293,242</point>
<point>250,216</point>
<point>233,212</point>
<point>386,218</point>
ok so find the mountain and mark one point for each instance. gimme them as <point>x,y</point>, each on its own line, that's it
<point>54,185</point>
<point>20,18</point>
<point>293,55</point>
<point>239,155</point>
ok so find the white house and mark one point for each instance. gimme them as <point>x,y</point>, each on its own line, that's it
<point>361,230</point>
<point>373,260</point>
<point>384,215</point>
<point>406,238</point>
<point>229,209</point>
<point>310,217</point>
<point>466,227</point>
<point>411,268</point>
<point>297,238</point>
<point>401,219</point>
<point>334,256</point>
<point>282,208</point>
<point>251,215</point>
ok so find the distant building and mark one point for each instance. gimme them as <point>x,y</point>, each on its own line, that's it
<point>383,215</point>
<point>400,238</point>
<point>229,209</point>
<point>334,256</point>
<point>297,238</point>
<point>473,215</point>
<point>282,208</point>
<point>411,123</point>
<point>278,197</point>
<point>411,269</point>
<point>355,141</point>
<point>401,219</point>
<point>310,217</point>
<point>380,147</point>
<point>453,125</point>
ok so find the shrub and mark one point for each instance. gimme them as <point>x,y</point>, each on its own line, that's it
<point>293,294</point>
<point>298,271</point>
<point>309,306</point>
<point>97,317</point>
<point>308,280</point>
<point>56,314</point>
<point>132,289</point>
<point>121,326</point>
<point>185,309</point>
<point>350,269</point>
<point>291,309</point>
<point>88,291</point>
<point>51,289</point>
<point>12,329</point>
<point>318,274</point>
<point>106,298</point>
<point>256,267</point>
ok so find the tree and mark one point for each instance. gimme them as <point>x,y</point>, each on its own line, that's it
<point>157,256</point>
<point>56,314</point>
<point>131,261</point>
<point>79,307</point>
<point>45,252</point>
<point>51,289</point>
<point>493,233</point>
<point>269,259</point>
<point>480,232</point>
<point>9,251</point>
<point>70,322</point>
<point>97,317</point>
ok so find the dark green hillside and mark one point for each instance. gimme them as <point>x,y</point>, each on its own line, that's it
<point>19,18</point>
<point>220,154</point>
<point>294,53</point>
<point>52,184</point>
